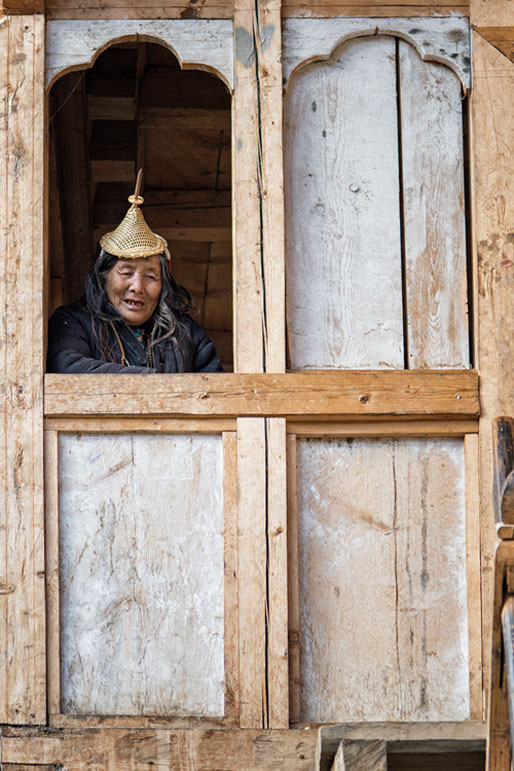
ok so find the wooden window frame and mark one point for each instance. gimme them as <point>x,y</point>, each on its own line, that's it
<point>58,719</point>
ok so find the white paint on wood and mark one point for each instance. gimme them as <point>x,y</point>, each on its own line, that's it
<point>436,39</point>
<point>344,285</point>
<point>434,216</point>
<point>197,43</point>
<point>141,574</point>
<point>382,570</point>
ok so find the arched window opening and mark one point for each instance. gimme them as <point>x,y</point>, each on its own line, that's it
<point>135,108</point>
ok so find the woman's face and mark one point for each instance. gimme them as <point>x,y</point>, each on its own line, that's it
<point>134,288</point>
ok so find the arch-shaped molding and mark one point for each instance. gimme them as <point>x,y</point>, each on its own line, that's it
<point>440,40</point>
<point>205,44</point>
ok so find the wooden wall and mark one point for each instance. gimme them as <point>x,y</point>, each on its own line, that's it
<point>263,409</point>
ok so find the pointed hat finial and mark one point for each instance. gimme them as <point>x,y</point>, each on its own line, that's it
<point>133,238</point>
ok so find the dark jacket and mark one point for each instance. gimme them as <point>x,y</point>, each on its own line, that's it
<point>72,347</point>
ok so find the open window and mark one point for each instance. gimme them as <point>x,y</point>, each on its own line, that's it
<point>136,108</point>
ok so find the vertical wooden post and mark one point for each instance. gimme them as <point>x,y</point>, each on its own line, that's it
<point>22,679</point>
<point>493,225</point>
<point>259,346</point>
<point>258,194</point>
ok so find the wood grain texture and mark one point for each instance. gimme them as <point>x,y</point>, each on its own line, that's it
<point>257,189</point>
<point>344,285</point>
<point>199,43</point>
<point>473,574</point>
<point>493,175</point>
<point>22,602</point>
<point>137,9</point>
<point>252,508</point>
<point>491,13</point>
<point>361,755</point>
<point>435,39</point>
<point>114,749</point>
<point>372,8</point>
<point>389,642</point>
<point>141,575</point>
<point>231,574</point>
<point>409,393</point>
<point>277,653</point>
<point>432,147</point>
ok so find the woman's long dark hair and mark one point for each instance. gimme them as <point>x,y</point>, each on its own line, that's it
<point>174,303</point>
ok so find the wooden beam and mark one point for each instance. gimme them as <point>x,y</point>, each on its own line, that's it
<point>257,186</point>
<point>113,171</point>
<point>367,8</point>
<point>181,750</point>
<point>16,7</point>
<point>69,122</point>
<point>491,13</point>
<point>138,9</point>
<point>111,107</point>
<point>352,393</point>
<point>22,599</point>
<point>493,211</point>
<point>181,118</point>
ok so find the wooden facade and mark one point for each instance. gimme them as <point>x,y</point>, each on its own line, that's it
<point>319,545</point>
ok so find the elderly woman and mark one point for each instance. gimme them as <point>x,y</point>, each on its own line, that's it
<point>134,318</point>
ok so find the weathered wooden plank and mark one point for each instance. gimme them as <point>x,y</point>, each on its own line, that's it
<point>251,485</point>
<point>277,654</point>
<point>141,575</point>
<point>257,189</point>
<point>293,584</point>
<point>344,283</point>
<point>22,602</point>
<point>208,750</point>
<point>491,13</point>
<point>74,44</point>
<point>163,425</point>
<point>136,9</point>
<point>435,39</point>
<point>52,570</point>
<point>13,7</point>
<point>334,8</point>
<point>351,393</point>
<point>432,148</point>
<point>361,755</point>
<point>193,118</point>
<point>389,642</point>
<point>473,574</point>
<point>231,574</point>
<point>380,427</point>
<point>493,215</point>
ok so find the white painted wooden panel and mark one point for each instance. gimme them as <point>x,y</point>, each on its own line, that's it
<point>434,215</point>
<point>382,559</point>
<point>445,39</point>
<point>141,574</point>
<point>344,286</point>
<point>75,43</point>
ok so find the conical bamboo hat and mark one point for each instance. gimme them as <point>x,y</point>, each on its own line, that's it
<point>133,238</point>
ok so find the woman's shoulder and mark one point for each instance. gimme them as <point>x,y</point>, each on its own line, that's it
<point>72,312</point>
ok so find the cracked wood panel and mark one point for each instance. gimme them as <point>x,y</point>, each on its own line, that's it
<point>22,601</point>
<point>344,279</point>
<point>257,189</point>
<point>432,147</point>
<point>202,750</point>
<point>493,175</point>
<point>382,580</point>
<point>141,574</point>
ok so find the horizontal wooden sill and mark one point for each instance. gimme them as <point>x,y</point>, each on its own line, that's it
<point>341,394</point>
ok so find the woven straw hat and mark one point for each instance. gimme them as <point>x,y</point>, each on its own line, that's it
<point>133,238</point>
